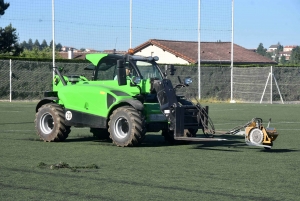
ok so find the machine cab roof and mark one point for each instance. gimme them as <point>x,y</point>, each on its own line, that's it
<point>104,66</point>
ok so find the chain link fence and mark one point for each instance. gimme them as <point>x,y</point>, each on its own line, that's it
<point>30,79</point>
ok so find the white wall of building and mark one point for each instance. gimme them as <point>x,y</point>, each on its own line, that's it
<point>164,56</point>
<point>288,48</point>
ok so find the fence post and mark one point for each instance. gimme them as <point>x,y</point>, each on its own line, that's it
<point>199,51</point>
<point>231,53</point>
<point>10,75</point>
<point>271,86</point>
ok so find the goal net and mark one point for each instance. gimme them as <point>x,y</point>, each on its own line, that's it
<point>254,84</point>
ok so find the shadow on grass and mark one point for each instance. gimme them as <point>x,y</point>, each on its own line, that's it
<point>82,139</point>
<point>228,145</point>
<point>158,140</point>
<point>149,141</point>
<point>274,150</point>
<point>30,122</point>
<point>154,140</point>
<point>232,144</point>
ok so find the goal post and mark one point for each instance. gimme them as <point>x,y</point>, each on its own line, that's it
<point>254,84</point>
<point>270,76</point>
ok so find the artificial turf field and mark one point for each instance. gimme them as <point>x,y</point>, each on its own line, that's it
<point>82,168</point>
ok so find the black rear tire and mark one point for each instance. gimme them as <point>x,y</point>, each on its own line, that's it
<point>50,123</point>
<point>126,126</point>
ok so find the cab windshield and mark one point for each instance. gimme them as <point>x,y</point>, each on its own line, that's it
<point>107,69</point>
<point>148,69</point>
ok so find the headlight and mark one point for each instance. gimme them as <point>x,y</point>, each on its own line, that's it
<point>188,80</point>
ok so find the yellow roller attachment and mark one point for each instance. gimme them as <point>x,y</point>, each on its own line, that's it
<point>257,135</point>
<point>270,135</point>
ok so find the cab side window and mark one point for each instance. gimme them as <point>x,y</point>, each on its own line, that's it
<point>107,69</point>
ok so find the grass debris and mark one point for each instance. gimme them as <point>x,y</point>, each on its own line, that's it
<point>63,165</point>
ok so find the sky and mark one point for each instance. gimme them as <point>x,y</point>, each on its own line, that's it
<point>105,24</point>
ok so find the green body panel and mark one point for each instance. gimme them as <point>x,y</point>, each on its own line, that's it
<point>152,113</point>
<point>95,58</point>
<point>91,96</point>
<point>95,96</point>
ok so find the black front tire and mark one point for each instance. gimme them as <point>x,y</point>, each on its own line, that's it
<point>126,127</point>
<point>50,123</point>
<point>168,135</point>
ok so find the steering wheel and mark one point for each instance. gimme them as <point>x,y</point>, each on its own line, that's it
<point>178,86</point>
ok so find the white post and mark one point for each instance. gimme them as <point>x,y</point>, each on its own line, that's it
<point>278,89</point>
<point>231,65</point>
<point>10,75</point>
<point>130,26</point>
<point>199,50</point>
<point>271,88</point>
<point>53,37</point>
<point>265,87</point>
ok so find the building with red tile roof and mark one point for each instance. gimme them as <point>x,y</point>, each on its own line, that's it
<point>186,52</point>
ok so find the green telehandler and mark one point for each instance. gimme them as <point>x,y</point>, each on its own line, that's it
<point>125,97</point>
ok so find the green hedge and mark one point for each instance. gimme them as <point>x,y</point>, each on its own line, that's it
<point>32,78</point>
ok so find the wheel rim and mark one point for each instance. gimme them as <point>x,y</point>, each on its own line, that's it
<point>256,136</point>
<point>121,127</point>
<point>47,123</point>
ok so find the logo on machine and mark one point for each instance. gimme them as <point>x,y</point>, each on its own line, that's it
<point>68,115</point>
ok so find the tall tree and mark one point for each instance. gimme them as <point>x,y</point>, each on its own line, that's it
<point>261,50</point>
<point>269,55</point>
<point>3,7</point>
<point>279,47</point>
<point>295,56</point>
<point>9,41</point>
<point>282,59</point>
<point>277,51</point>
<point>29,44</point>
<point>44,44</point>
<point>8,35</point>
<point>24,45</point>
<point>51,44</point>
<point>37,44</point>
<point>276,58</point>
<point>58,47</point>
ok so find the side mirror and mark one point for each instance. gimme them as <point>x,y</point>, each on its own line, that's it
<point>188,81</point>
<point>121,72</point>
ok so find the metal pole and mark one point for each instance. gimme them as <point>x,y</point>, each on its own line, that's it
<point>262,96</point>
<point>199,51</point>
<point>10,87</point>
<point>130,26</point>
<point>271,88</point>
<point>231,65</point>
<point>278,89</point>
<point>53,38</point>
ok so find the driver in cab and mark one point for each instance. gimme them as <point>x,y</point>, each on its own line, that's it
<point>128,70</point>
